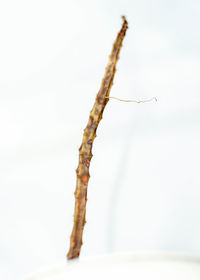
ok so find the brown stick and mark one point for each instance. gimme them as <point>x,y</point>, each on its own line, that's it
<point>85,150</point>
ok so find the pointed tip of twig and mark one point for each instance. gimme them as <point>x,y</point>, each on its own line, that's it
<point>124,25</point>
<point>124,20</point>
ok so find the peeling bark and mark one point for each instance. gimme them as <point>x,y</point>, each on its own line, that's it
<point>85,150</point>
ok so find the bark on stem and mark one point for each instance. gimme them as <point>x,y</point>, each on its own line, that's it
<point>85,150</point>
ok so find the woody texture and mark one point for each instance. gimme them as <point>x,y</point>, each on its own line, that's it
<point>85,150</point>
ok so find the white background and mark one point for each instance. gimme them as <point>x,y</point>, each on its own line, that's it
<point>144,190</point>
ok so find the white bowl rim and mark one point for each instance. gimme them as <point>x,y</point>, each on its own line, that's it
<point>119,258</point>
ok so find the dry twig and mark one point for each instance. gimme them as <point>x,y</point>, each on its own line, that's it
<point>85,150</point>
